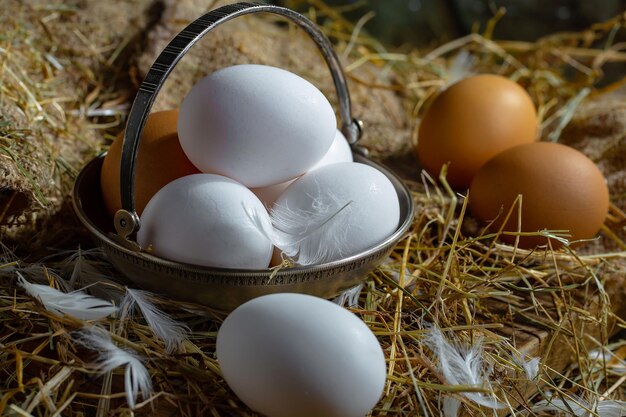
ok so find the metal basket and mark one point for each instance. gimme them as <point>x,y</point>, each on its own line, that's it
<point>220,288</point>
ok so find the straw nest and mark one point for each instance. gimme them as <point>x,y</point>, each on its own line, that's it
<point>560,306</point>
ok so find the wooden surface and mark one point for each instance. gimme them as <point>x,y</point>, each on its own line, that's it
<point>563,335</point>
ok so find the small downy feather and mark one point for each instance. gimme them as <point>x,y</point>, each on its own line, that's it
<point>349,297</point>
<point>576,406</point>
<point>462,66</point>
<point>531,368</point>
<point>313,236</point>
<point>84,271</point>
<point>461,365</point>
<point>529,365</point>
<point>392,268</point>
<point>602,357</point>
<point>76,304</point>
<point>451,406</point>
<point>83,267</point>
<point>171,332</point>
<point>38,273</point>
<point>110,356</point>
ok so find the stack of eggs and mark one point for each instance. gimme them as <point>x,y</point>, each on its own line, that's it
<point>253,161</point>
<point>485,128</point>
<point>248,138</point>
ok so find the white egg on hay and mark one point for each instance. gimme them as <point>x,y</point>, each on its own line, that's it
<point>256,124</point>
<point>203,219</point>
<point>334,212</point>
<point>288,354</point>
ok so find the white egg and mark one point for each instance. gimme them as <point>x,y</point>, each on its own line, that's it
<point>335,211</point>
<point>339,151</point>
<point>269,194</point>
<point>202,219</point>
<point>257,124</point>
<point>287,355</point>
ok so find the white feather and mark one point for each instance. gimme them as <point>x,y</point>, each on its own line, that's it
<point>136,376</point>
<point>611,408</point>
<point>451,406</point>
<point>315,235</point>
<point>349,296</point>
<point>531,368</point>
<point>308,236</point>
<point>599,355</point>
<point>614,363</point>
<point>38,273</point>
<point>76,304</point>
<point>530,365</point>
<point>461,365</point>
<point>94,273</point>
<point>462,66</point>
<point>171,332</point>
<point>580,408</point>
<point>83,271</point>
<point>392,268</point>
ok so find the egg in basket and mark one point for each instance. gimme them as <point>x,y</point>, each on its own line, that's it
<point>259,172</point>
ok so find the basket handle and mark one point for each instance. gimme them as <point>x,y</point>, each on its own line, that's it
<point>126,220</point>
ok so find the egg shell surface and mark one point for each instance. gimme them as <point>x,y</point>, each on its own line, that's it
<point>201,219</point>
<point>561,189</point>
<point>257,124</point>
<point>366,203</point>
<point>472,121</point>
<point>339,151</point>
<point>160,159</point>
<point>287,355</point>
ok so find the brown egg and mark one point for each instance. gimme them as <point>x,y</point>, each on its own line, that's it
<point>160,160</point>
<point>561,189</point>
<point>470,122</point>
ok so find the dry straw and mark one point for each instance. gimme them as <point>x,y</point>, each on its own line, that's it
<point>59,90</point>
<point>449,288</point>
